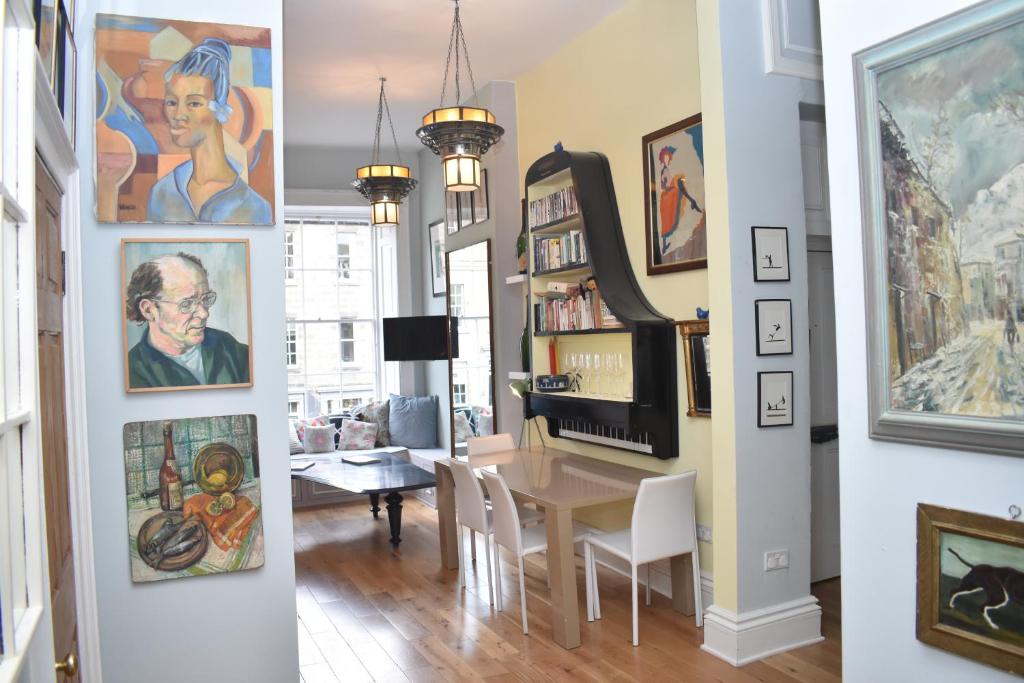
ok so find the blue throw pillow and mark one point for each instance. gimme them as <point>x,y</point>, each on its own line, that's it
<point>413,421</point>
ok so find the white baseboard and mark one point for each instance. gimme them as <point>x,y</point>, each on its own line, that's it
<point>741,639</point>
<point>661,576</point>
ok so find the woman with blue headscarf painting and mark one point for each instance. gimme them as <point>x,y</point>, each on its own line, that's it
<point>207,188</point>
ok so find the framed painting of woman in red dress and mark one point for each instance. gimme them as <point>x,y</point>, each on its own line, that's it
<point>674,187</point>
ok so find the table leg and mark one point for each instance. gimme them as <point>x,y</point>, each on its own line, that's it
<point>447,533</point>
<point>394,501</point>
<point>681,567</point>
<point>375,504</point>
<point>565,618</point>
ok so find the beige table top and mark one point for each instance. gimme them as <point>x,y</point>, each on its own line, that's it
<point>561,480</point>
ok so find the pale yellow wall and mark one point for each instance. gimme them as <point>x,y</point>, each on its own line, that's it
<point>632,74</point>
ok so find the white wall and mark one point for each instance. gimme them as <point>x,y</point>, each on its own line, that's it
<point>882,483</point>
<point>229,627</point>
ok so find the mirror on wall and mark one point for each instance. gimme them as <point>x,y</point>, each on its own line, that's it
<point>471,366</point>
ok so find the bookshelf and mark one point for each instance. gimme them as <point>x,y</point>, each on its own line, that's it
<point>583,299</point>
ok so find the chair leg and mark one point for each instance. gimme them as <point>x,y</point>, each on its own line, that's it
<point>636,621</point>
<point>487,554</point>
<point>697,602</point>
<point>588,558</point>
<point>522,592</point>
<point>647,581</point>
<point>498,597</point>
<point>472,544</point>
<point>462,558</point>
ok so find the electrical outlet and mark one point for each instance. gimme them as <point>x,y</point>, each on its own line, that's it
<point>776,559</point>
<point>704,533</point>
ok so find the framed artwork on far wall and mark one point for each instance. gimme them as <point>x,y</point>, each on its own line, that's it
<point>435,235</point>
<point>939,114</point>
<point>970,569</point>
<point>773,324</point>
<point>187,313</point>
<point>774,399</point>
<point>697,356</point>
<point>674,190</point>
<point>46,13</point>
<point>770,248</point>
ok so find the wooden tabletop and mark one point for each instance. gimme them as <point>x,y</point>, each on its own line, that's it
<point>390,474</point>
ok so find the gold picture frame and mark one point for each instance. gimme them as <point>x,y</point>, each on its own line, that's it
<point>696,339</point>
<point>968,566</point>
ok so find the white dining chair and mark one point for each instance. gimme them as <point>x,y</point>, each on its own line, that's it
<point>496,443</point>
<point>519,540</point>
<point>663,526</point>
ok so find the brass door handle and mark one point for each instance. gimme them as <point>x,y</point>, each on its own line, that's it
<point>69,667</point>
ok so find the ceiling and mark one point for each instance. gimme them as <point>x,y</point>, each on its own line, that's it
<point>335,50</point>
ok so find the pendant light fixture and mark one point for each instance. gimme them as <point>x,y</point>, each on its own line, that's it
<point>385,185</point>
<point>459,135</point>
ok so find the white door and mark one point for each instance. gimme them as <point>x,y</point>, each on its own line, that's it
<point>821,311</point>
<point>26,630</point>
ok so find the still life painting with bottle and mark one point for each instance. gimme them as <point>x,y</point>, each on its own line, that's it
<point>193,497</point>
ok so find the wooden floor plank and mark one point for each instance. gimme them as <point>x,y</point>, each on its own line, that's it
<point>367,612</point>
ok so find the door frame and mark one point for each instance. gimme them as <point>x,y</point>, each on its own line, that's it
<point>54,149</point>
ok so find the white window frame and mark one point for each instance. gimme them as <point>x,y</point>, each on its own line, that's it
<point>386,379</point>
<point>289,256</point>
<point>291,345</point>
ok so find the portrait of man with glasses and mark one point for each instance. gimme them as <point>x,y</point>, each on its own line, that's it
<point>171,297</point>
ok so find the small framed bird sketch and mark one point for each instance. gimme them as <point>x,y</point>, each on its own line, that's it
<point>773,321</point>
<point>774,399</point>
<point>771,254</point>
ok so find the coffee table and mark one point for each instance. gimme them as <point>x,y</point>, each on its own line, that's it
<point>390,476</point>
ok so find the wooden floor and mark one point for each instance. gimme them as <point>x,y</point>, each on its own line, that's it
<point>366,614</point>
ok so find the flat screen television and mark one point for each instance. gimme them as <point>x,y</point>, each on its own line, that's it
<point>423,337</point>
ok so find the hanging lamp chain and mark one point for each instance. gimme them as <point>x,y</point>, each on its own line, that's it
<point>382,108</point>
<point>457,44</point>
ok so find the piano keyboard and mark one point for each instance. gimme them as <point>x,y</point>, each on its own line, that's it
<point>582,430</point>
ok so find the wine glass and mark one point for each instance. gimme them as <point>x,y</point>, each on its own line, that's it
<point>598,373</point>
<point>588,380</point>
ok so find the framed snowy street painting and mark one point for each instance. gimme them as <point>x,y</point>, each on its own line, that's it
<point>941,137</point>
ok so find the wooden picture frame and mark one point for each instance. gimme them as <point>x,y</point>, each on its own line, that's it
<point>435,251</point>
<point>696,336</point>
<point>146,368</point>
<point>773,327</point>
<point>673,163</point>
<point>964,604</point>
<point>934,289</point>
<point>770,250</point>
<point>775,399</point>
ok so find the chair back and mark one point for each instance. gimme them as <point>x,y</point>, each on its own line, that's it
<point>507,531</point>
<point>663,517</point>
<point>479,445</point>
<point>469,497</point>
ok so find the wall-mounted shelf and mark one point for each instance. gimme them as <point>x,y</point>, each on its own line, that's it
<point>519,375</point>
<point>649,421</point>
<point>515,279</point>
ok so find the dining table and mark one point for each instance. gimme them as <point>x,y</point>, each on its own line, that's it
<point>559,483</point>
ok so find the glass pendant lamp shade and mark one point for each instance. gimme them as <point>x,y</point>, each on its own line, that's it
<point>461,173</point>
<point>384,212</point>
<point>385,185</point>
<point>460,135</point>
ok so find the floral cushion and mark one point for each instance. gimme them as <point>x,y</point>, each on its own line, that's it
<point>377,412</point>
<point>294,443</point>
<point>300,425</point>
<point>357,436</point>
<point>319,439</point>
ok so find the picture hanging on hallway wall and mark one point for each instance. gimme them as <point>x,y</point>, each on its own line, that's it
<point>194,503</point>
<point>773,320</point>
<point>970,585</point>
<point>674,185</point>
<point>942,160</point>
<point>770,252</point>
<point>187,314</point>
<point>435,244</point>
<point>184,122</point>
<point>774,399</point>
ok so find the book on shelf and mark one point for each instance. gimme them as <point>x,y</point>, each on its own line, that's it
<point>551,252</point>
<point>578,310</point>
<point>553,207</point>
